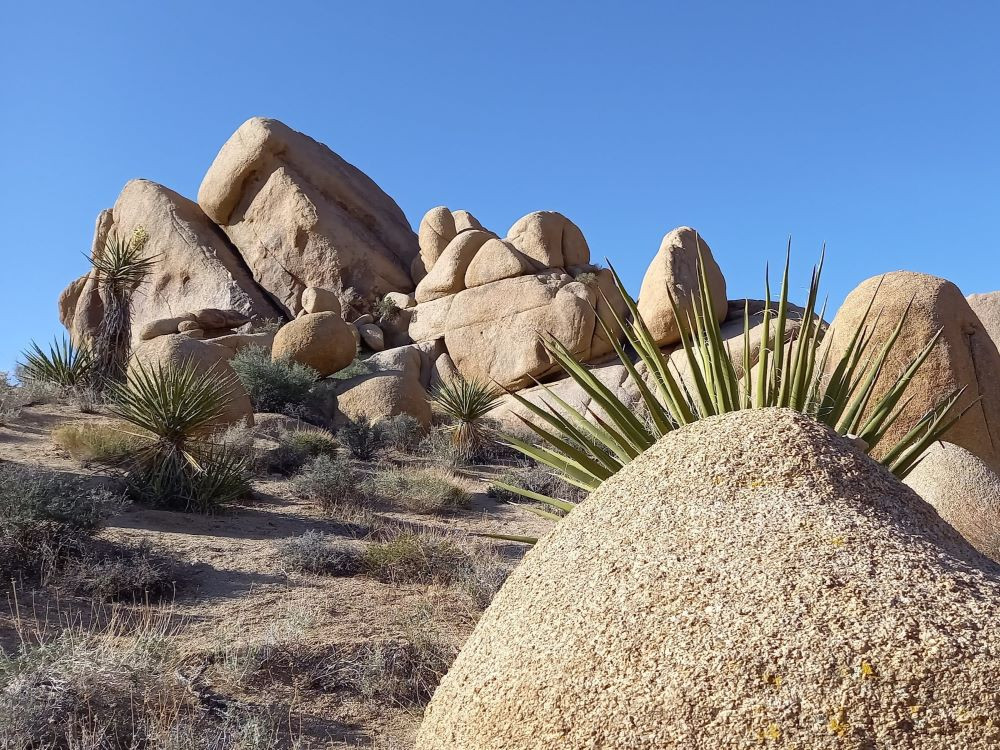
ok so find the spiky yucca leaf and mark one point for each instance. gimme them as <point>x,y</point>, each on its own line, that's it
<point>64,364</point>
<point>587,447</point>
<point>175,410</point>
<point>466,401</point>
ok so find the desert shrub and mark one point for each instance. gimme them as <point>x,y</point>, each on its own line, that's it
<point>385,310</point>
<point>44,517</point>
<point>402,432</point>
<point>482,575</point>
<point>316,552</point>
<point>537,479</point>
<point>357,367</point>
<point>120,267</point>
<point>400,671</point>
<point>114,572</point>
<point>266,325</point>
<point>467,402</point>
<point>296,447</point>
<point>415,558</point>
<point>424,490</point>
<point>274,385</point>
<point>124,686</point>
<point>362,438</point>
<point>95,442</point>
<point>12,400</point>
<point>63,365</point>
<point>329,481</point>
<point>178,465</point>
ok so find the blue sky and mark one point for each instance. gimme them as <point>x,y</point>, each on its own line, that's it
<point>870,126</point>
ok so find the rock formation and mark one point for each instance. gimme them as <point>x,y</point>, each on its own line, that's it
<point>196,266</point>
<point>965,355</point>
<point>964,490</point>
<point>301,216</point>
<point>752,579</point>
<point>987,309</point>
<point>674,273</point>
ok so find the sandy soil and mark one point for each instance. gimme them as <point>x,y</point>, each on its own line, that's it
<point>233,592</point>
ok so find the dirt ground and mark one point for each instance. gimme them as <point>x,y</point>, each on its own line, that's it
<point>234,596</point>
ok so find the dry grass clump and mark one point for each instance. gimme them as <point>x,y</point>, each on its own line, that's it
<point>410,557</point>
<point>402,670</point>
<point>323,554</point>
<point>99,442</point>
<point>117,573</point>
<point>124,686</point>
<point>423,490</point>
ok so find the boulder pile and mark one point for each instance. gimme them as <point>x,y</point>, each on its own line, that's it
<point>751,579</point>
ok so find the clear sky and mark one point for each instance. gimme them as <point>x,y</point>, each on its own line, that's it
<point>873,126</point>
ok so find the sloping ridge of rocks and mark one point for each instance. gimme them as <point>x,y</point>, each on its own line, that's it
<point>751,578</point>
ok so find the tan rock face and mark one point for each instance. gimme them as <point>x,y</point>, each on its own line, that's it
<point>174,350</point>
<point>751,577</point>
<point>428,320</point>
<point>301,216</point>
<point>497,260</point>
<point>196,268</point>
<point>494,331</point>
<point>674,272</point>
<point>437,229</point>
<point>550,240</point>
<point>987,309</point>
<point>396,386</point>
<point>964,490</point>
<point>322,341</point>
<point>965,356</point>
<point>448,274</point>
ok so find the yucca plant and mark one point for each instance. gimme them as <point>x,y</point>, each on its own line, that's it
<point>121,266</point>
<point>467,402</point>
<point>586,448</point>
<point>174,411</point>
<point>64,364</point>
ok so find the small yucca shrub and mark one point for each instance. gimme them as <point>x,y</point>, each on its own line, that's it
<point>588,448</point>
<point>466,402</point>
<point>63,364</point>
<point>176,410</point>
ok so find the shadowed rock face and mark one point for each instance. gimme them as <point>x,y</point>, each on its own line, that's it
<point>301,216</point>
<point>196,268</point>
<point>751,576</point>
<point>987,309</point>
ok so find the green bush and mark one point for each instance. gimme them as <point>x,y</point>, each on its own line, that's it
<point>296,447</point>
<point>278,386</point>
<point>424,490</point>
<point>329,481</point>
<point>357,367</point>
<point>324,554</point>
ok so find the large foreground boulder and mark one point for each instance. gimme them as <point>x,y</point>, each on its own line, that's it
<point>965,356</point>
<point>178,349</point>
<point>674,273</point>
<point>301,216</point>
<point>964,490</point>
<point>195,268</point>
<point>751,580</point>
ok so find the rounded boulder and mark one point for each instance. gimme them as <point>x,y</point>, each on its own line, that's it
<point>322,341</point>
<point>751,580</point>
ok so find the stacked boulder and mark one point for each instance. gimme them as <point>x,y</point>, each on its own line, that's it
<point>318,338</point>
<point>491,300</point>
